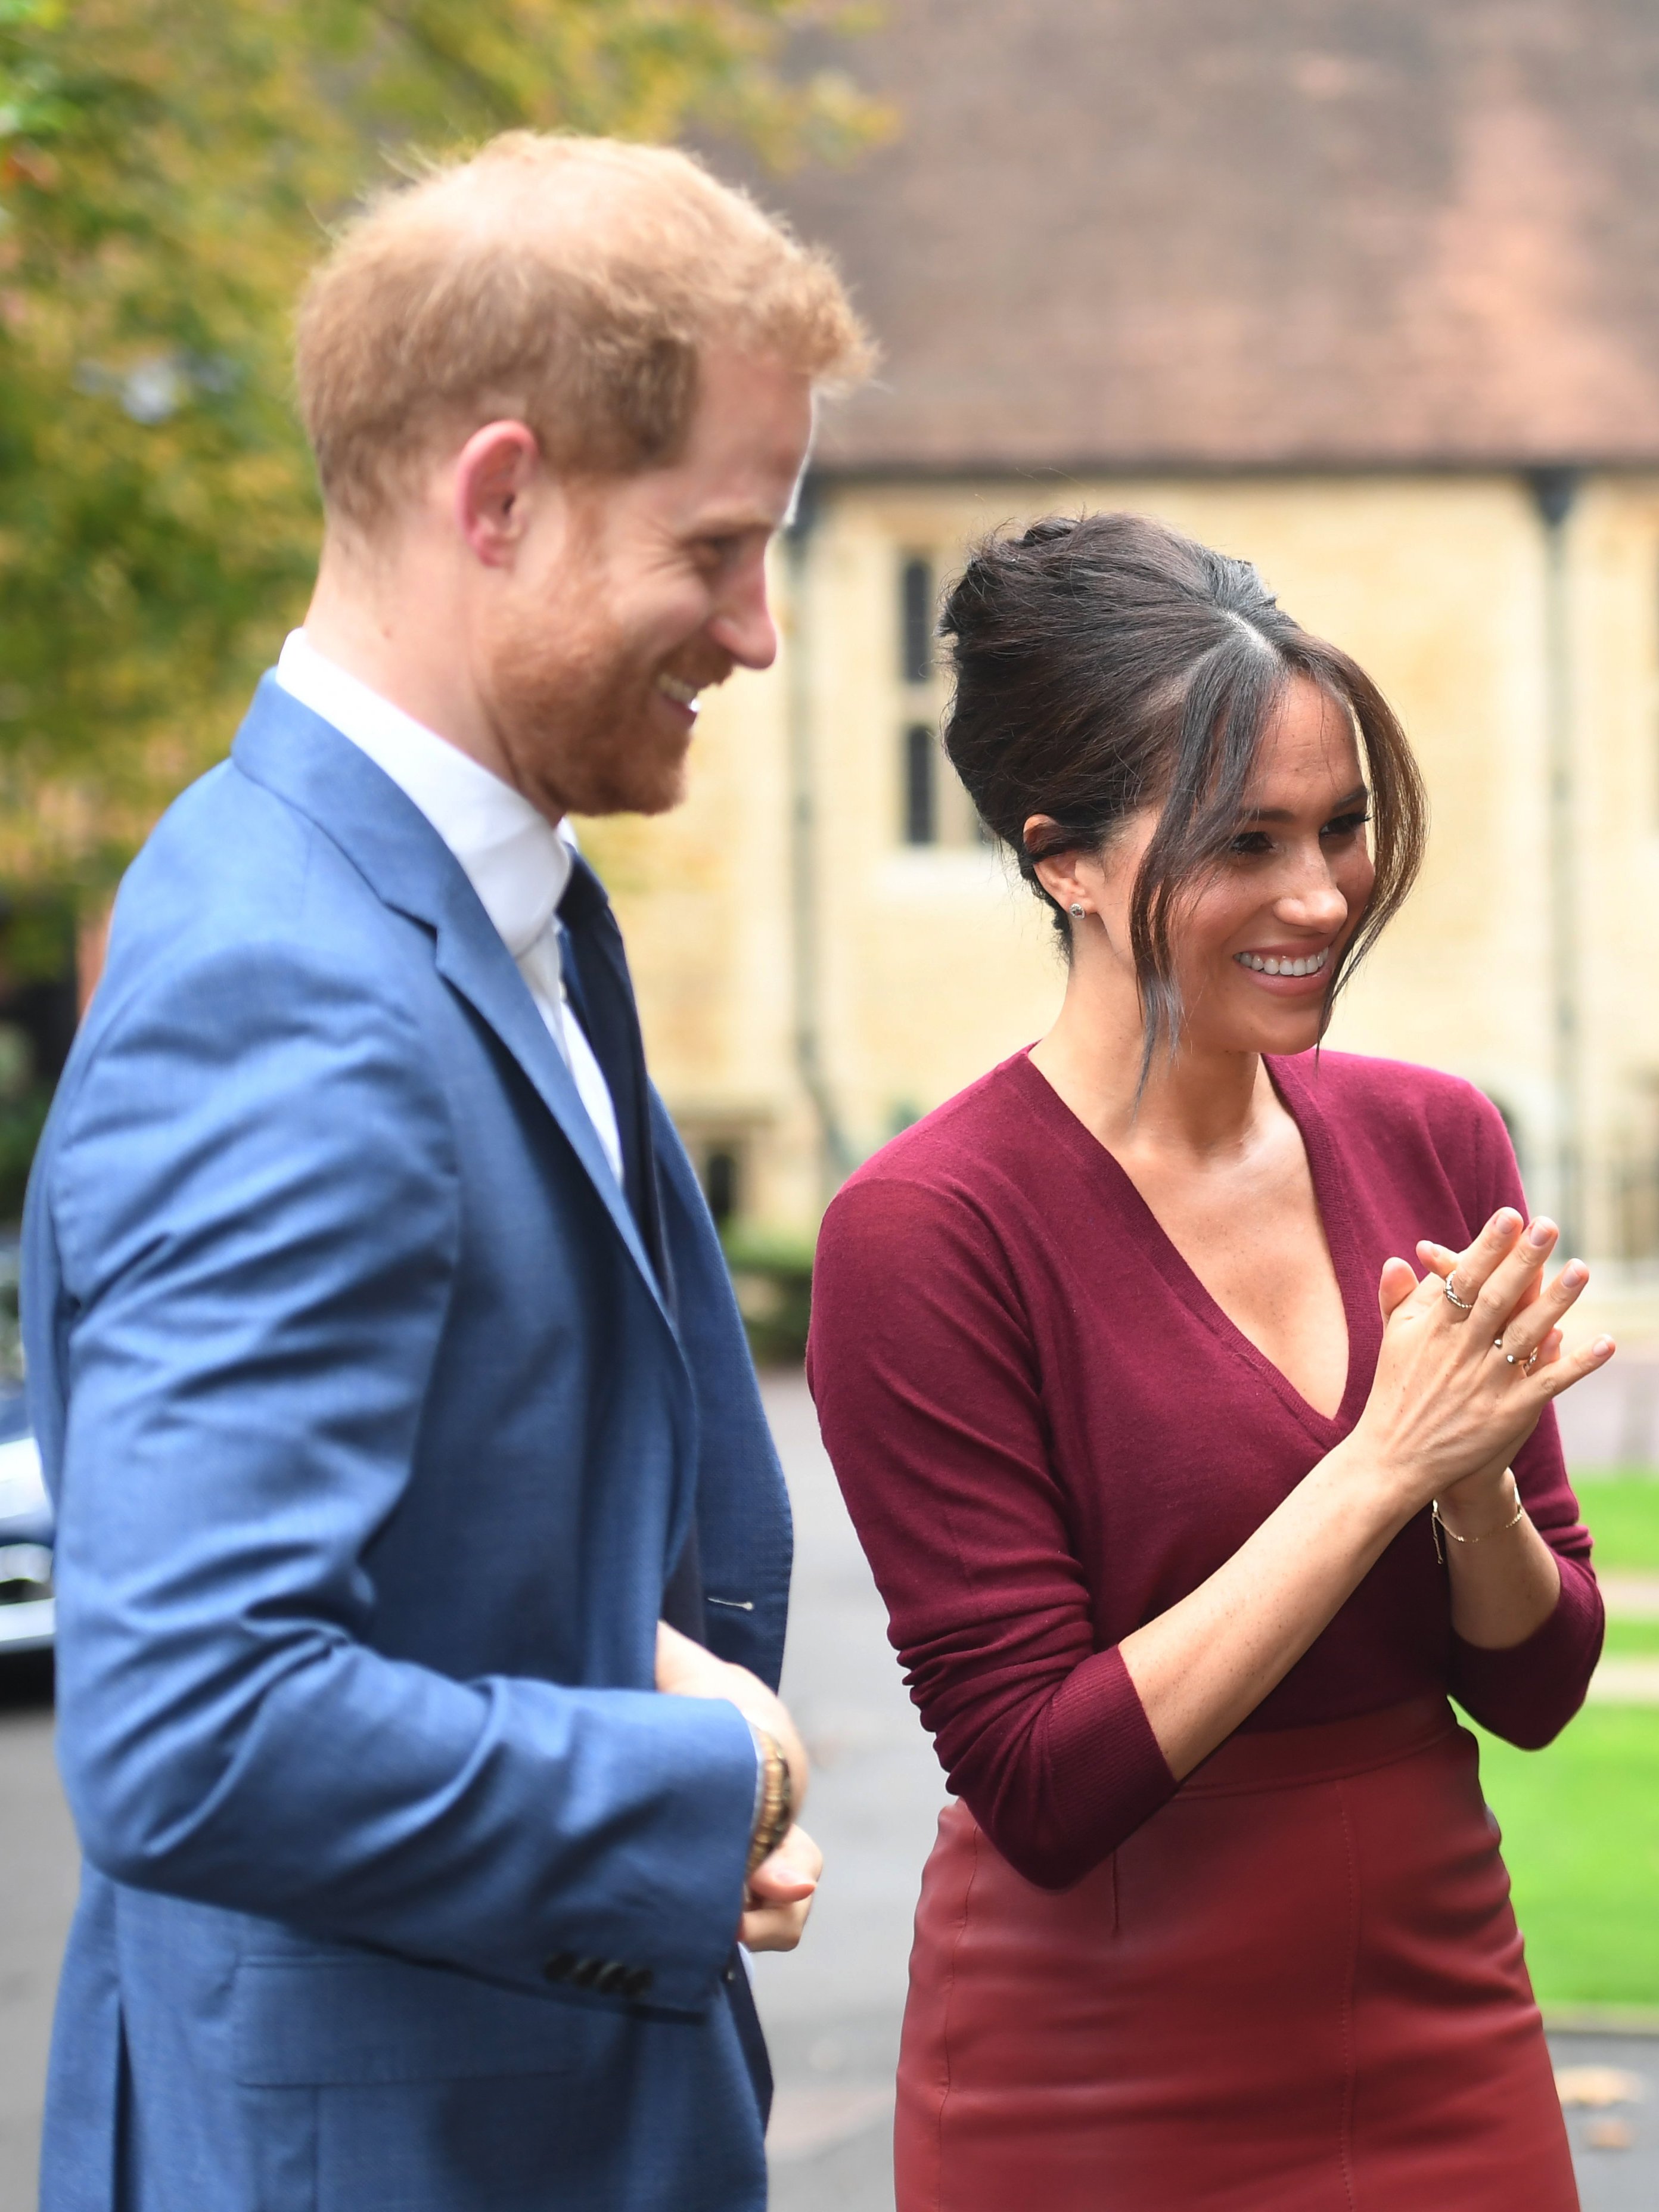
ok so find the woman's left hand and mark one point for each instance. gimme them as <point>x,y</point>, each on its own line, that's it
<point>1440,1260</point>
<point>1503,1593</point>
<point>1481,1493</point>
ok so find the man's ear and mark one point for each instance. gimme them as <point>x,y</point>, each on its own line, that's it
<point>492,474</point>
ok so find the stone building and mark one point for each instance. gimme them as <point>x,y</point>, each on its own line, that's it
<point>1369,294</point>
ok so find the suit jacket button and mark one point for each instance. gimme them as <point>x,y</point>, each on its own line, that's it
<point>613,1980</point>
<point>558,1968</point>
<point>638,1981</point>
<point>586,1972</point>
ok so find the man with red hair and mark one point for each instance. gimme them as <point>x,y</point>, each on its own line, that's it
<point>404,1442</point>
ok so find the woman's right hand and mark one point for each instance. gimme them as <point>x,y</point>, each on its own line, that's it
<point>1456,1391</point>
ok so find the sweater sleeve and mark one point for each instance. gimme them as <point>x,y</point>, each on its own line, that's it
<point>924,1372</point>
<point>1528,1693</point>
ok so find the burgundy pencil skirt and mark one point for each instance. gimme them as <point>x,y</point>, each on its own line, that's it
<point>1299,1987</point>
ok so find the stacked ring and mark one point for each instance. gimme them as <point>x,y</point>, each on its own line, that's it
<point>1513,1359</point>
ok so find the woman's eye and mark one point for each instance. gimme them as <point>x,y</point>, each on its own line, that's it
<point>1251,844</point>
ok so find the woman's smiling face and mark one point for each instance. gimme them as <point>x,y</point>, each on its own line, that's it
<point>1255,940</point>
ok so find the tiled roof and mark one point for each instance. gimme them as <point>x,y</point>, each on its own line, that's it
<point>1192,232</point>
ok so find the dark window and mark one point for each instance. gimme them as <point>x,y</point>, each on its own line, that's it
<point>920,759</point>
<point>719,1185</point>
<point>917,621</point>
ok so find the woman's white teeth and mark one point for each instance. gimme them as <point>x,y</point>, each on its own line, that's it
<point>1272,966</point>
<point>684,694</point>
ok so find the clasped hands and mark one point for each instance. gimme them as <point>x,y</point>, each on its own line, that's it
<point>779,1896</point>
<point>1462,1381</point>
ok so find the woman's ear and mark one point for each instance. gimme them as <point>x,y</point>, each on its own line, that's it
<point>1058,873</point>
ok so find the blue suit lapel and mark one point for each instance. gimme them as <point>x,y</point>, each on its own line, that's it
<point>307,762</point>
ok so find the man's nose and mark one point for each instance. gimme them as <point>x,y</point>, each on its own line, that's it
<point>743,626</point>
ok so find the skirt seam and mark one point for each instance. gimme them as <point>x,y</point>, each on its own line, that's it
<point>944,2023</point>
<point>1349,2056</point>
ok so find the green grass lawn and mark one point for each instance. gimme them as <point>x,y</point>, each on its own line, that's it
<point>1622,1512</point>
<point>1633,1639</point>
<point>1581,1820</point>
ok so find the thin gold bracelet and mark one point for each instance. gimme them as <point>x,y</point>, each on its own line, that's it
<point>1440,1526</point>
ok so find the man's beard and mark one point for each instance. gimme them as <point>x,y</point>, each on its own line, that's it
<point>574,710</point>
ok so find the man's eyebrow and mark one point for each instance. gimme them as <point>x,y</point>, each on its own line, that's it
<point>731,522</point>
<point>1345,804</point>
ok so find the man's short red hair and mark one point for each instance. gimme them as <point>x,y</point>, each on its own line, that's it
<point>570,283</point>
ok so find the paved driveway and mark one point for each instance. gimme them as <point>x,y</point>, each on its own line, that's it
<point>37,1872</point>
<point>832,2009</point>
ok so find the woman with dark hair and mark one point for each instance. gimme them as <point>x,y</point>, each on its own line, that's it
<point>1189,1502</point>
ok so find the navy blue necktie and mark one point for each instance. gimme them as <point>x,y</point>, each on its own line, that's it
<point>601,997</point>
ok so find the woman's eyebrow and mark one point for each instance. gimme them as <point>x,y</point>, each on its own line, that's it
<point>1357,796</point>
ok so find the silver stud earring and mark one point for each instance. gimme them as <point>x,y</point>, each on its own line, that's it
<point>1077,909</point>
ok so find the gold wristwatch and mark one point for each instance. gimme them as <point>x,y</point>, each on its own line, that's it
<point>777,1799</point>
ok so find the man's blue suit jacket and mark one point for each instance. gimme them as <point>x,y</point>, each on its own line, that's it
<point>374,1442</point>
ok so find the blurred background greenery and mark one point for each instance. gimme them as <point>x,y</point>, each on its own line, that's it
<point>772,1275</point>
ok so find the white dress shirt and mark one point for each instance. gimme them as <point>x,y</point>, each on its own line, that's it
<point>516,861</point>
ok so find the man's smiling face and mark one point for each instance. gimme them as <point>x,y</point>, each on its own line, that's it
<point>632,595</point>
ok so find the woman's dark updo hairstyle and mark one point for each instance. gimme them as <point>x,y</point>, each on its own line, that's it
<point>1107,662</point>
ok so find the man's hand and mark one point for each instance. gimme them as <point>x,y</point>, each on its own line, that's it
<point>779,1892</point>
<point>684,1670</point>
<point>780,1895</point>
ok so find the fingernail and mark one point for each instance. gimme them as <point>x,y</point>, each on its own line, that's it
<point>1601,1347</point>
<point>1543,1234</point>
<point>1505,1219</point>
<point>1573,1274</point>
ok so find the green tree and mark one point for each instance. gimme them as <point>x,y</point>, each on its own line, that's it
<point>167,172</point>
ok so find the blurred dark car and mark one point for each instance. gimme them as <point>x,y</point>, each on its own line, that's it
<point>28,1608</point>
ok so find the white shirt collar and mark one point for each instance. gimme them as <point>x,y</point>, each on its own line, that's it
<point>518,863</point>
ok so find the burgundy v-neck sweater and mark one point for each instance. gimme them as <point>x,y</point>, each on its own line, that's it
<point>1048,1432</point>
